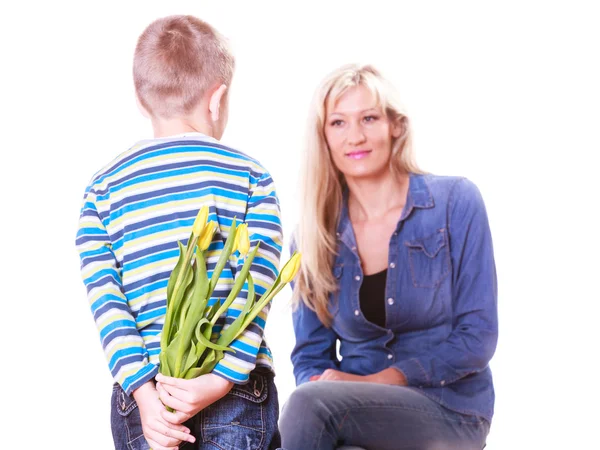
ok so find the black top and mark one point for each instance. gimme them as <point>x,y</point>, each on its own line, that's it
<point>372,297</point>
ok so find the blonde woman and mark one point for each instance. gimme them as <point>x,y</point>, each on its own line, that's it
<point>398,268</point>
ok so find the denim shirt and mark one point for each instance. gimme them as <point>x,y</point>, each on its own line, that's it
<point>440,302</point>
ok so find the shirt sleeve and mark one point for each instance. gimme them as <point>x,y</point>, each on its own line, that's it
<point>315,348</point>
<point>472,343</point>
<point>264,228</point>
<point>123,346</point>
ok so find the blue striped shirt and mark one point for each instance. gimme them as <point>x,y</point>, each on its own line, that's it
<point>134,212</point>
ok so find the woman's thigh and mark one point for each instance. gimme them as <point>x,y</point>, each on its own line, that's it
<point>328,414</point>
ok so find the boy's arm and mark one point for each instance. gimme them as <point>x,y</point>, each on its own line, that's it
<point>264,228</point>
<point>123,346</point>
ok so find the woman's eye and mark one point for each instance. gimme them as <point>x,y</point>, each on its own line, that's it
<point>336,123</point>
<point>370,118</point>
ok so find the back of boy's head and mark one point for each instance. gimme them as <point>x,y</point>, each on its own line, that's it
<point>177,59</point>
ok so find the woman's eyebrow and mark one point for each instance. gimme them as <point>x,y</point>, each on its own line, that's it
<point>344,113</point>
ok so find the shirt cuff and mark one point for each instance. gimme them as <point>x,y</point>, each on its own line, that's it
<point>414,372</point>
<point>142,376</point>
<point>231,375</point>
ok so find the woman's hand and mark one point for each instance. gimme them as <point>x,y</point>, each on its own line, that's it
<point>336,375</point>
<point>189,397</point>
<point>159,433</point>
<point>386,376</point>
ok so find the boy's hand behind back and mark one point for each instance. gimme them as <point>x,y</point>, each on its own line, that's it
<point>189,397</point>
<point>159,433</point>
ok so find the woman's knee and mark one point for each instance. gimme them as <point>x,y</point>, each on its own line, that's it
<point>307,402</point>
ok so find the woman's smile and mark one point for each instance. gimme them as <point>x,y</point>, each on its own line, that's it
<point>358,154</point>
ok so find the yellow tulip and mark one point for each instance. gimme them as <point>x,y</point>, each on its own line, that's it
<point>242,242</point>
<point>207,235</point>
<point>291,268</point>
<point>200,221</point>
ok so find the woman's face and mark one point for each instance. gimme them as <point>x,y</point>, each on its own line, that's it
<point>359,134</point>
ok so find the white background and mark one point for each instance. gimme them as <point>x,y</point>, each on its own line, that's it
<point>506,94</point>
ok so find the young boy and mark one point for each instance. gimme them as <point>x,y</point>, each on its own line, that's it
<point>135,211</point>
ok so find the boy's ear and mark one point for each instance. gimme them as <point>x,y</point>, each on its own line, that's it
<point>141,108</point>
<point>215,102</point>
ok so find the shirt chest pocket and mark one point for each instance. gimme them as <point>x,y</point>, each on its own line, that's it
<point>429,259</point>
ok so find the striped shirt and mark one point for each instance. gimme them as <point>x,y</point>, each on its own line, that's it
<point>134,212</point>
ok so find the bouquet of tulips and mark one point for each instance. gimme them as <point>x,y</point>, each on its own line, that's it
<point>188,347</point>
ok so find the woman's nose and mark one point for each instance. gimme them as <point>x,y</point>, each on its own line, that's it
<point>355,135</point>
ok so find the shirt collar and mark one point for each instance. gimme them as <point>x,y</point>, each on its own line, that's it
<point>191,135</point>
<point>418,196</point>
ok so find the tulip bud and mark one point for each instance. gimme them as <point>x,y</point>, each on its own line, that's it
<point>291,268</point>
<point>207,235</point>
<point>242,242</point>
<point>200,221</point>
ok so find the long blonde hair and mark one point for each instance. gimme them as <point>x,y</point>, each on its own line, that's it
<point>322,184</point>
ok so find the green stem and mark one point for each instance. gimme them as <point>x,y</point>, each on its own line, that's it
<point>194,314</point>
<point>223,258</point>
<point>258,308</point>
<point>237,287</point>
<point>172,306</point>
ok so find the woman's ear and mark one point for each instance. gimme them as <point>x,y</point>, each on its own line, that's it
<point>398,126</point>
<point>214,105</point>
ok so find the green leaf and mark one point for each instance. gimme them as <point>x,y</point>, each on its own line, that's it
<point>211,361</point>
<point>194,372</point>
<point>203,340</point>
<point>191,359</point>
<point>183,306</point>
<point>232,330</point>
<point>171,354</point>
<point>211,310</point>
<point>194,314</point>
<point>208,365</point>
<point>176,270</point>
<point>184,311</point>
<point>202,282</point>
<point>183,279</point>
<point>223,258</point>
<point>238,285</point>
<point>197,371</point>
<point>258,307</point>
<point>164,366</point>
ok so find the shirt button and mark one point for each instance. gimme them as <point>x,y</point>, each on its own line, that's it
<point>353,249</point>
<point>357,278</point>
<point>443,382</point>
<point>390,356</point>
<point>356,312</point>
<point>392,265</point>
<point>390,301</point>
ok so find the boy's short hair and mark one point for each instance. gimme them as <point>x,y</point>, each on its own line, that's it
<point>177,58</point>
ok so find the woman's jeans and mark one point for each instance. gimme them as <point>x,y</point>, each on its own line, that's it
<point>246,418</point>
<point>324,415</point>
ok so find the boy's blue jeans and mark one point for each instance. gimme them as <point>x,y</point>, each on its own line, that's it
<point>325,415</point>
<point>246,418</point>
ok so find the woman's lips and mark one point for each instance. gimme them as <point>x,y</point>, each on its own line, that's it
<point>358,154</point>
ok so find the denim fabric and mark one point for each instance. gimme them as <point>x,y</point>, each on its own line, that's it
<point>245,419</point>
<point>324,415</point>
<point>441,302</point>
